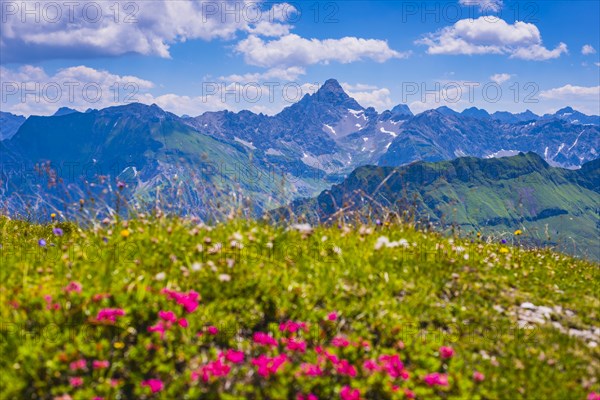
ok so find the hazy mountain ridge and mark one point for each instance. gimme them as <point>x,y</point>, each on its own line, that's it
<point>9,124</point>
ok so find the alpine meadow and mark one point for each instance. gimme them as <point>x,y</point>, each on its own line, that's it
<point>310,200</point>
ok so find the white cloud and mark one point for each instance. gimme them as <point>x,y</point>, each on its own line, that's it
<point>30,90</point>
<point>491,36</point>
<point>568,91</point>
<point>369,96</point>
<point>583,98</point>
<point>283,74</point>
<point>500,78</point>
<point>358,86</point>
<point>484,5</point>
<point>539,53</point>
<point>92,28</point>
<point>588,49</point>
<point>293,50</point>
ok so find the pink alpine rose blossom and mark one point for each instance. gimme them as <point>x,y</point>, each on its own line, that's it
<point>296,345</point>
<point>264,339</point>
<point>345,368</point>
<point>100,364</point>
<point>339,341</point>
<point>155,385</point>
<point>311,369</point>
<point>76,381</point>
<point>479,377</point>
<point>309,396</point>
<point>347,393</point>
<point>73,287</point>
<point>268,366</point>
<point>436,379</point>
<point>446,352</point>
<point>234,356</point>
<point>78,364</point>
<point>212,330</point>
<point>110,314</point>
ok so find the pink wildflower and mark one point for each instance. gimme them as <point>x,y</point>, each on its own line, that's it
<point>446,352</point>
<point>78,364</point>
<point>371,365</point>
<point>345,368</point>
<point>479,377</point>
<point>332,357</point>
<point>160,328</point>
<point>309,396</point>
<point>292,327</point>
<point>49,304</point>
<point>167,316</point>
<point>332,316</point>
<point>183,322</point>
<point>409,394</point>
<point>73,287</point>
<point>155,385</point>
<point>393,365</point>
<point>347,393</point>
<point>593,396</point>
<point>212,369</point>
<point>268,366</point>
<point>100,364</point>
<point>339,341</point>
<point>264,339</point>
<point>236,357</point>
<point>189,301</point>
<point>100,296</point>
<point>296,345</point>
<point>311,369</point>
<point>76,381</point>
<point>436,379</point>
<point>110,314</point>
<point>212,330</point>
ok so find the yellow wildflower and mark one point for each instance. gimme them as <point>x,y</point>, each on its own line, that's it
<point>125,233</point>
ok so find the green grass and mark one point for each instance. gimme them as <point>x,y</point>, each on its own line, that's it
<point>426,296</point>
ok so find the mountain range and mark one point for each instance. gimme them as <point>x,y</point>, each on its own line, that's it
<point>272,160</point>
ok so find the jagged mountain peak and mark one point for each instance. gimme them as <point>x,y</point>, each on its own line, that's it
<point>475,112</point>
<point>331,85</point>
<point>444,110</point>
<point>332,93</point>
<point>64,111</point>
<point>564,110</point>
<point>137,110</point>
<point>401,109</point>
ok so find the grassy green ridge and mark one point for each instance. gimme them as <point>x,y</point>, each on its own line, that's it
<point>436,291</point>
<point>554,206</point>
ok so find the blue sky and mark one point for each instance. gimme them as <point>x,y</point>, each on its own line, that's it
<point>498,55</point>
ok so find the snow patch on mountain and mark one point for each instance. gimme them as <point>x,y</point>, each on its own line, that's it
<point>383,130</point>
<point>245,143</point>
<point>503,153</point>
<point>330,128</point>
